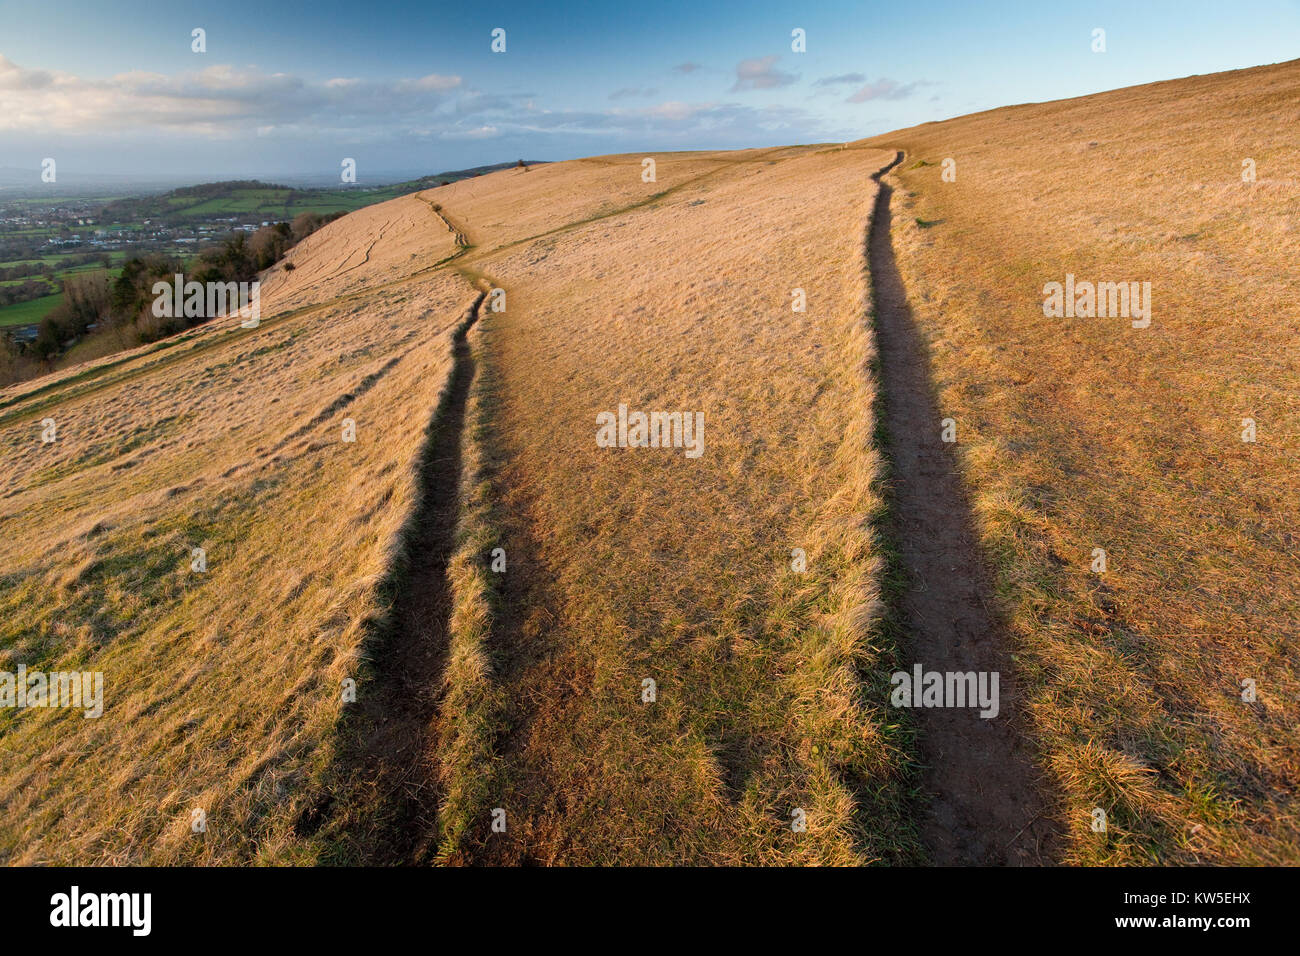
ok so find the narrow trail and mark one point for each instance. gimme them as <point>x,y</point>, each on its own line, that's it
<point>986,805</point>
<point>462,240</point>
<point>398,714</point>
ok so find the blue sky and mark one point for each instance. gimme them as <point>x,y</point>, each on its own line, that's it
<point>407,88</point>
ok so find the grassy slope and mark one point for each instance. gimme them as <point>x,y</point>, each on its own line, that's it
<point>163,449</point>
<point>627,564</point>
<point>222,689</point>
<point>1083,433</point>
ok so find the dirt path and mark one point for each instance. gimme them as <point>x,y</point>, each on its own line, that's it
<point>462,240</point>
<point>986,806</point>
<point>394,752</point>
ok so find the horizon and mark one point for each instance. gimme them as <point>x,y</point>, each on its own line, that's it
<point>116,96</point>
<point>15,184</point>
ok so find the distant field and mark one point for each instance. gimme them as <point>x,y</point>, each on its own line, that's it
<point>33,310</point>
<point>39,201</point>
<point>30,312</point>
<point>258,203</point>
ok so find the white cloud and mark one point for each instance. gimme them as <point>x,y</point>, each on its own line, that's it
<point>481,132</point>
<point>254,114</point>
<point>431,82</point>
<point>675,110</point>
<point>629,92</point>
<point>841,78</point>
<point>219,101</point>
<point>760,73</point>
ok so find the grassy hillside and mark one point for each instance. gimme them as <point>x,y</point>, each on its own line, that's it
<point>570,653</point>
<point>639,563</point>
<point>1084,433</point>
<point>229,441</point>
<point>222,688</point>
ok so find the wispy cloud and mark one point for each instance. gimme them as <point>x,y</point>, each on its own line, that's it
<point>760,73</point>
<point>631,92</point>
<point>671,121</point>
<point>479,132</point>
<point>250,114</point>
<point>676,110</point>
<point>477,101</point>
<point>687,67</point>
<point>218,101</point>
<point>885,89</point>
<point>841,78</point>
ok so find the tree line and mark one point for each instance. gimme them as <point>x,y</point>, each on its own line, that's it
<point>118,311</point>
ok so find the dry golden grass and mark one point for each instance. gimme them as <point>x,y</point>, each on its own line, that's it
<point>625,564</point>
<point>1083,433</point>
<point>222,689</point>
<point>511,205</point>
<point>385,243</point>
<point>473,704</point>
<point>229,439</point>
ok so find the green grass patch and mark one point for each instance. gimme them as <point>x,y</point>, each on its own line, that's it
<point>30,312</point>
